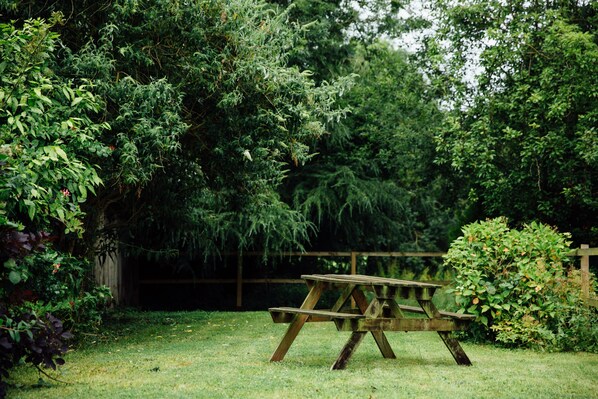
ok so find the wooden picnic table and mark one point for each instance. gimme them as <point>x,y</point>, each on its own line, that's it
<point>376,316</point>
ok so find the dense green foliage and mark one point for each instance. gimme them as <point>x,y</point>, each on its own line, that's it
<point>331,30</point>
<point>517,284</point>
<point>206,118</point>
<point>48,142</point>
<point>377,169</point>
<point>250,116</point>
<point>211,109</point>
<point>47,139</point>
<point>523,135</point>
<point>373,183</point>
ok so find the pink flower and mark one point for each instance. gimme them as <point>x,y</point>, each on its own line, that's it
<point>65,192</point>
<point>56,267</point>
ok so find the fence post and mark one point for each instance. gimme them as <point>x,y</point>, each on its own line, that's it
<point>585,273</point>
<point>239,279</point>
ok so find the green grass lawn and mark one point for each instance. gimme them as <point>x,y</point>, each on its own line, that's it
<point>226,355</point>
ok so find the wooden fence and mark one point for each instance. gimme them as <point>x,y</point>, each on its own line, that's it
<point>584,252</point>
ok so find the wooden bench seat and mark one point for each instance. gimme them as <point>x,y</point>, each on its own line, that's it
<point>459,316</point>
<point>287,314</point>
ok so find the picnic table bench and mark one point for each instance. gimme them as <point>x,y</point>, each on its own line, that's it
<point>375,316</point>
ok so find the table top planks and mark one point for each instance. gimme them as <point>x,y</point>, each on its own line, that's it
<point>361,279</point>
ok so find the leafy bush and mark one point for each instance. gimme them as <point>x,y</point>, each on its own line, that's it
<point>47,137</point>
<point>36,280</point>
<point>39,340</point>
<point>48,145</point>
<point>517,284</point>
<point>61,284</point>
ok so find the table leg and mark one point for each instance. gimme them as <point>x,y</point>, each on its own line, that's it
<point>451,343</point>
<point>347,351</point>
<point>293,330</point>
<point>345,295</point>
<point>453,346</point>
<point>429,308</point>
<point>379,337</point>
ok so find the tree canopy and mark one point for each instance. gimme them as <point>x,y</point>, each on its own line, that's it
<point>230,125</point>
<point>206,118</point>
<point>522,136</point>
<point>377,169</point>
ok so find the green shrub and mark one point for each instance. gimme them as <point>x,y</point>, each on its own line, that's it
<point>36,285</point>
<point>60,284</point>
<point>517,284</point>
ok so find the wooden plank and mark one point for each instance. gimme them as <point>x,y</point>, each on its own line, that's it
<point>405,292</point>
<point>379,337</point>
<point>317,312</point>
<point>367,280</point>
<point>348,350</point>
<point>416,309</point>
<point>316,253</point>
<point>107,271</point>
<point>429,308</point>
<point>239,280</point>
<point>417,293</point>
<point>223,281</point>
<point>585,274</point>
<point>344,297</point>
<point>384,281</point>
<point>273,281</point>
<point>188,281</point>
<point>278,317</point>
<point>392,254</point>
<point>453,346</point>
<point>308,303</point>
<point>392,309</point>
<point>584,250</point>
<point>394,324</point>
<point>386,291</point>
<point>402,254</point>
<point>413,309</point>
<point>287,315</point>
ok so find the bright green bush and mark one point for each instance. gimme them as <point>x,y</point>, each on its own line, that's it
<point>47,143</point>
<point>47,136</point>
<point>517,284</point>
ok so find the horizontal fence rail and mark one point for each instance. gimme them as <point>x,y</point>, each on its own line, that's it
<point>584,252</point>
